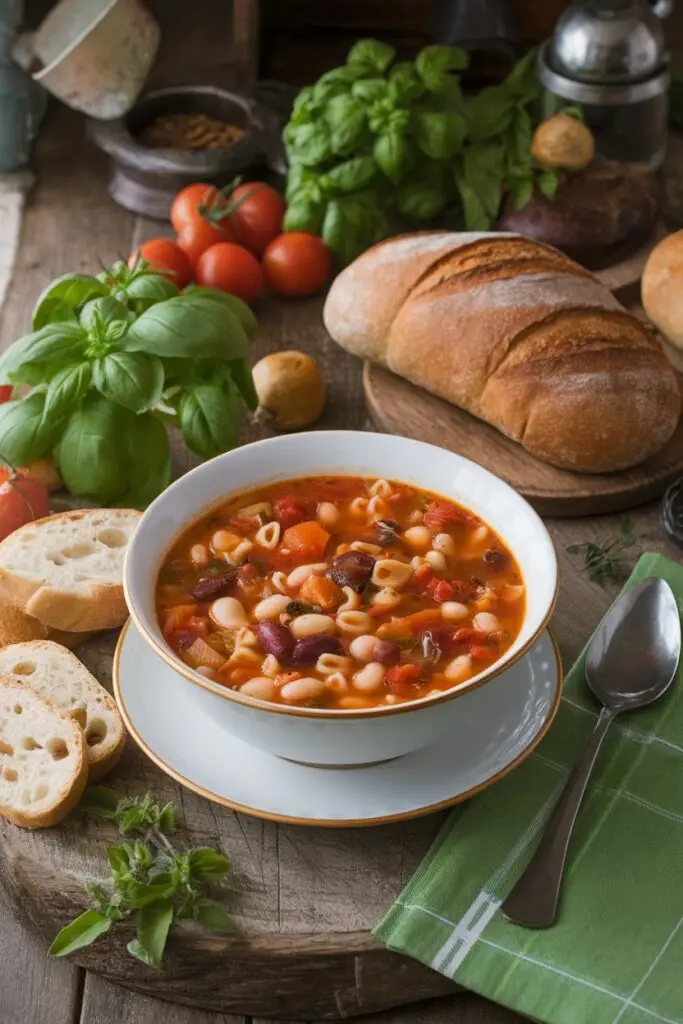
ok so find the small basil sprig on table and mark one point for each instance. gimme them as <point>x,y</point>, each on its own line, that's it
<point>126,354</point>
<point>151,881</point>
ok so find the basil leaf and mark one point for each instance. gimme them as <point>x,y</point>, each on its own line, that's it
<point>434,65</point>
<point>66,389</point>
<point>240,371</point>
<point>438,135</point>
<point>479,176</point>
<point>523,82</point>
<point>212,916</point>
<point>100,801</point>
<point>206,865</point>
<point>311,144</point>
<point>134,380</point>
<point>149,462</point>
<point>393,156</point>
<point>118,860</point>
<point>297,177</point>
<point>348,74</point>
<point>522,191</point>
<point>190,327</point>
<point>548,182</point>
<point>518,145</point>
<point>351,225</point>
<point>79,933</point>
<point>209,419</point>
<point>353,175</point>
<point>489,112</point>
<point>53,344</point>
<point>572,111</point>
<point>148,289</point>
<point>405,85</point>
<point>303,215</point>
<point>346,119</point>
<point>421,200</point>
<point>154,924</point>
<point>367,90</point>
<point>25,434</point>
<point>235,305</point>
<point>53,311</point>
<point>373,53</point>
<point>73,290</point>
<point>104,311</point>
<point>303,106</point>
<point>91,454</point>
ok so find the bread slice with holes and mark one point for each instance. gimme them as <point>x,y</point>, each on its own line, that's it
<point>16,627</point>
<point>43,765</point>
<point>59,677</point>
<point>67,570</point>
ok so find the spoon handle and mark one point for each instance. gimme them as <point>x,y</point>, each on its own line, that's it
<point>533,901</point>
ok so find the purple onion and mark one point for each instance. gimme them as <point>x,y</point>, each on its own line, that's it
<point>386,652</point>
<point>309,648</point>
<point>352,569</point>
<point>276,639</point>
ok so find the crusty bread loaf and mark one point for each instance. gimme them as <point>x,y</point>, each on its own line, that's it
<point>17,627</point>
<point>66,570</point>
<point>662,293</point>
<point>519,335</point>
<point>43,768</point>
<point>57,675</point>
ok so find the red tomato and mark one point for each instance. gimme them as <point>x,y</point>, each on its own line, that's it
<point>232,269</point>
<point>256,214</point>
<point>297,264</point>
<point>441,513</point>
<point>185,206</point>
<point>439,590</point>
<point>22,500</point>
<point>6,392</point>
<point>167,259</point>
<point>400,679</point>
<point>195,237</point>
<point>289,511</point>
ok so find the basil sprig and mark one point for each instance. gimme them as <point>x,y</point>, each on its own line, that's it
<point>111,360</point>
<point>376,143</point>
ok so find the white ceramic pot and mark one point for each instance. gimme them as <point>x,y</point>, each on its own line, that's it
<point>96,54</point>
<point>313,735</point>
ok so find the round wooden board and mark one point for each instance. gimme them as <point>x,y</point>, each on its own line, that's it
<point>399,407</point>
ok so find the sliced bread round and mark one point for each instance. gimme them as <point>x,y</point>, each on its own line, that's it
<point>58,676</point>
<point>43,767</point>
<point>17,627</point>
<point>67,570</point>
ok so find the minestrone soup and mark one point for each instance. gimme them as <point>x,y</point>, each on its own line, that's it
<point>340,593</point>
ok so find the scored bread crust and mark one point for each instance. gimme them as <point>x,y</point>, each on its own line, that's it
<point>517,334</point>
<point>53,723</point>
<point>60,677</point>
<point>88,605</point>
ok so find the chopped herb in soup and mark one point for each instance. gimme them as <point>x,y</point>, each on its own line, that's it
<point>340,593</point>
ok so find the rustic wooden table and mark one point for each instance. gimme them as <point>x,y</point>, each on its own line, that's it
<point>70,224</point>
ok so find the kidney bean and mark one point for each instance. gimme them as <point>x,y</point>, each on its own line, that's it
<point>309,648</point>
<point>386,652</point>
<point>495,558</point>
<point>214,586</point>
<point>387,531</point>
<point>352,569</point>
<point>276,639</point>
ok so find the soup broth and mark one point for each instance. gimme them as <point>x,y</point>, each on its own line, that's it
<point>340,593</point>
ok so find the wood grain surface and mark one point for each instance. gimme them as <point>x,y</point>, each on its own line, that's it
<point>304,900</point>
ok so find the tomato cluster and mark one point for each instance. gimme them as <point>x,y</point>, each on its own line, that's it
<point>235,243</point>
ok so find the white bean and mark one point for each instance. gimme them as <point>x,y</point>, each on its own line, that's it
<point>361,647</point>
<point>302,572</point>
<point>486,622</point>
<point>228,612</point>
<point>370,678</point>
<point>199,553</point>
<point>328,513</point>
<point>389,572</point>
<point>459,668</point>
<point>260,687</point>
<point>271,607</point>
<point>454,610</point>
<point>437,560</point>
<point>355,622</point>
<point>307,625</point>
<point>300,690</point>
<point>444,543</point>
<point>418,537</point>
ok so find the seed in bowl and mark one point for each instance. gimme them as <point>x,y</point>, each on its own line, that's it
<point>341,612</point>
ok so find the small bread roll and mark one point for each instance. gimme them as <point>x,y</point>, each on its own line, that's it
<point>662,293</point>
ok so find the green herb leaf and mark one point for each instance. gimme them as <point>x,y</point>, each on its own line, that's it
<point>434,63</point>
<point>240,309</point>
<point>522,191</point>
<point>141,894</point>
<point>72,291</point>
<point>188,326</point>
<point>134,380</point>
<point>572,111</point>
<point>101,311</point>
<point>373,53</point>
<point>206,864</point>
<point>92,459</point>
<point>346,119</point>
<point>548,182</point>
<point>393,155</point>
<point>53,311</point>
<point>44,352</point>
<point>438,135</point>
<point>603,563</point>
<point>420,199</point>
<point>65,390</point>
<point>148,289</point>
<point>100,801</point>
<point>154,924</point>
<point>367,90</point>
<point>479,176</point>
<point>489,112</point>
<point>25,434</point>
<point>405,85</point>
<point>240,371</point>
<point>79,933</point>
<point>149,461</point>
<point>212,916</point>
<point>119,861</point>
<point>351,225</point>
<point>209,419</point>
<point>310,144</point>
<point>353,175</point>
<point>303,215</point>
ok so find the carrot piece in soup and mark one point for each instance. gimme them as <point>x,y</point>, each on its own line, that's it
<point>307,539</point>
<point>402,678</point>
<point>319,590</point>
<point>177,617</point>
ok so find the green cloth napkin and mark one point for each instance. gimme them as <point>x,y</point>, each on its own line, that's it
<point>615,955</point>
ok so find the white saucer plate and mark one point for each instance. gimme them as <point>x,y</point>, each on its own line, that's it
<point>501,723</point>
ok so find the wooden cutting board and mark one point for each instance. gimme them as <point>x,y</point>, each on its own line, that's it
<point>398,407</point>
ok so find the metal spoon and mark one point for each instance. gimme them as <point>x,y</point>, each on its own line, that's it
<point>631,661</point>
